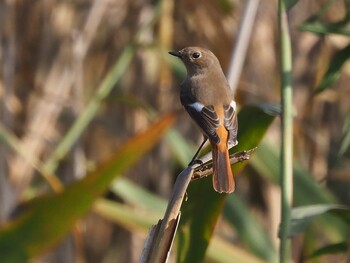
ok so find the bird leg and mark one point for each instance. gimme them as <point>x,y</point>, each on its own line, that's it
<point>194,158</point>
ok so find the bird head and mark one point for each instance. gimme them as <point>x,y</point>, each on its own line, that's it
<point>196,59</point>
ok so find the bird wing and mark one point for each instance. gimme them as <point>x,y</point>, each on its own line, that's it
<point>208,120</point>
<point>231,123</point>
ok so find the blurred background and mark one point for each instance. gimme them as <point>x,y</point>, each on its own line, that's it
<point>56,57</point>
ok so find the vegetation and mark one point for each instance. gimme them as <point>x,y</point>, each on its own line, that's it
<point>92,136</point>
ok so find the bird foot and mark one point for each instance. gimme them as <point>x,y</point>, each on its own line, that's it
<point>195,161</point>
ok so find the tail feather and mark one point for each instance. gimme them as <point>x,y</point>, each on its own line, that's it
<point>223,180</point>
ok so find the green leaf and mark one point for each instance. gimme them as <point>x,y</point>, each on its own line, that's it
<point>334,69</point>
<point>346,139</point>
<point>181,149</point>
<point>220,250</point>
<point>249,230</point>
<point>325,29</point>
<point>291,3</point>
<point>340,247</point>
<point>302,216</point>
<point>134,220</point>
<point>200,214</point>
<point>138,196</point>
<point>253,122</point>
<point>306,190</point>
<point>46,220</point>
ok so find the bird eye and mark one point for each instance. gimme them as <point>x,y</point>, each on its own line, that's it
<point>196,55</point>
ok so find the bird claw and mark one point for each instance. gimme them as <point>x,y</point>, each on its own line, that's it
<point>196,161</point>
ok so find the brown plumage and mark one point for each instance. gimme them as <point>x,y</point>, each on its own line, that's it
<point>207,98</point>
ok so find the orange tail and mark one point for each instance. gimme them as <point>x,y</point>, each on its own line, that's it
<point>223,181</point>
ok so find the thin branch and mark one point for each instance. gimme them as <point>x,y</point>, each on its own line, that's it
<point>207,168</point>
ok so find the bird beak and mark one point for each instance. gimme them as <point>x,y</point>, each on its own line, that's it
<point>175,53</point>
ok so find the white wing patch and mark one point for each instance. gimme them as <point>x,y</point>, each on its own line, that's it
<point>197,106</point>
<point>233,105</point>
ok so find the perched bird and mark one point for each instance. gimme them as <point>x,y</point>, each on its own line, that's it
<point>208,99</point>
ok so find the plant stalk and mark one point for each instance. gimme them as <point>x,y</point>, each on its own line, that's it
<point>89,113</point>
<point>286,178</point>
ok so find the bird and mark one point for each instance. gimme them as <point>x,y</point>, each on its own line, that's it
<point>206,96</point>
